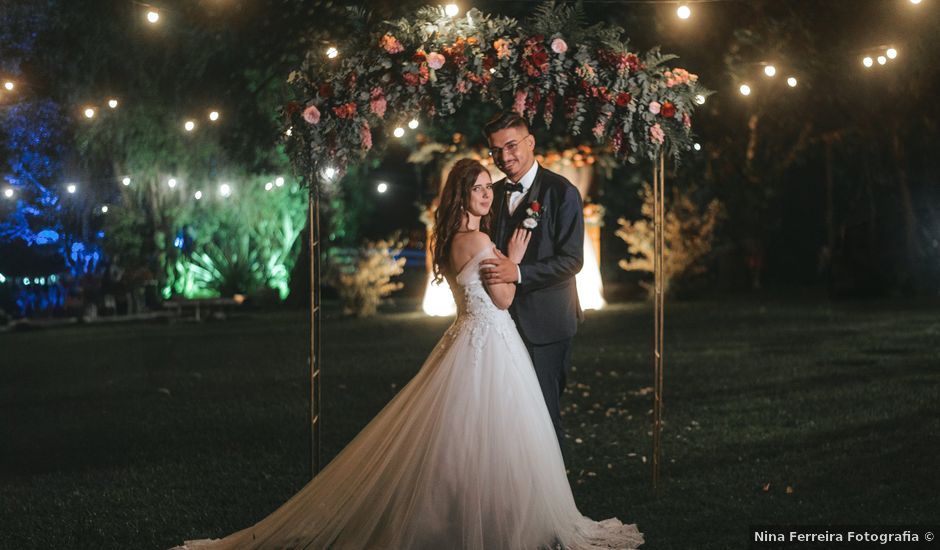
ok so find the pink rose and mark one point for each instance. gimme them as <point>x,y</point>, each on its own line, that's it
<point>391,44</point>
<point>655,107</point>
<point>312,115</point>
<point>378,104</point>
<point>657,135</point>
<point>501,45</point>
<point>436,60</point>
<point>559,46</point>
<point>365,136</point>
<point>519,105</point>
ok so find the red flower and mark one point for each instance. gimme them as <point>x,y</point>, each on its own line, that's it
<point>325,91</point>
<point>419,57</point>
<point>345,110</point>
<point>668,110</point>
<point>623,99</point>
<point>489,62</point>
<point>535,206</point>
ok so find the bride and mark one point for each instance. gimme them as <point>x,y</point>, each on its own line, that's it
<point>465,456</point>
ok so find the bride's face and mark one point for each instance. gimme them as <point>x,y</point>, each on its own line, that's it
<point>481,195</point>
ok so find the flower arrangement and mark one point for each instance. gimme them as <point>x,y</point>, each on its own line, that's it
<point>429,64</point>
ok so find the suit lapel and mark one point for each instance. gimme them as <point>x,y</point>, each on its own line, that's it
<point>500,214</point>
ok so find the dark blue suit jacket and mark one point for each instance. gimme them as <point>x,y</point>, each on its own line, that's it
<point>546,307</point>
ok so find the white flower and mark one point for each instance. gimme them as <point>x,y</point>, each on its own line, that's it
<point>529,223</point>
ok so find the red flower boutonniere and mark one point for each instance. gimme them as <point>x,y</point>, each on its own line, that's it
<point>533,213</point>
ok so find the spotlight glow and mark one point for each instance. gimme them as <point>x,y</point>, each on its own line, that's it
<point>8,193</point>
<point>329,172</point>
<point>745,89</point>
<point>197,195</point>
<point>770,70</point>
<point>89,112</point>
<point>684,12</point>
<point>332,52</point>
<point>700,99</point>
<point>153,17</point>
<point>915,2</point>
<point>104,209</point>
<point>268,186</point>
<point>8,85</point>
<point>697,146</point>
<point>451,10</point>
<point>71,188</point>
<point>225,189</point>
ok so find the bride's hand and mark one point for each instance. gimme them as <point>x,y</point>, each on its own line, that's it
<point>518,244</point>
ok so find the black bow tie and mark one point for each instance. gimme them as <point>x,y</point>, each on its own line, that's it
<point>514,187</point>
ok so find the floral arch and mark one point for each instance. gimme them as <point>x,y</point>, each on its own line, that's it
<point>554,69</point>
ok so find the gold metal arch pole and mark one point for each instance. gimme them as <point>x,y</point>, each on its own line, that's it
<point>313,360</point>
<point>659,207</point>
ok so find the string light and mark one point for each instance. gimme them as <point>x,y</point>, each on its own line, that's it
<point>189,126</point>
<point>382,187</point>
<point>104,209</point>
<point>225,189</point>
<point>172,183</point>
<point>8,193</point>
<point>329,172</point>
<point>126,181</point>
<point>867,61</point>
<point>197,195</point>
<point>745,89</point>
<point>289,132</point>
<point>113,103</point>
<point>268,186</point>
<point>332,52</point>
<point>791,82</point>
<point>700,99</point>
<point>413,124</point>
<point>882,60</point>
<point>279,181</point>
<point>71,188</point>
<point>770,70</point>
<point>153,17</point>
<point>451,10</point>
<point>891,53</point>
<point>684,12</point>
<point>697,146</point>
<point>213,116</point>
<point>399,132</point>
<point>89,112</point>
<point>8,85</point>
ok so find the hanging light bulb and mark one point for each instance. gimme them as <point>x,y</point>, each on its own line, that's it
<point>791,82</point>
<point>882,60</point>
<point>225,189</point>
<point>697,146</point>
<point>745,89</point>
<point>71,188</point>
<point>867,61</point>
<point>413,124</point>
<point>8,85</point>
<point>126,181</point>
<point>153,17</point>
<point>329,172</point>
<point>770,70</point>
<point>399,132</point>
<point>8,193</point>
<point>700,99</point>
<point>279,181</point>
<point>104,209</point>
<point>451,10</point>
<point>684,12</point>
<point>197,195</point>
<point>268,186</point>
<point>891,53</point>
<point>332,52</point>
<point>89,112</point>
<point>382,187</point>
<point>172,183</point>
<point>113,103</point>
<point>915,2</point>
<point>213,116</point>
<point>189,126</point>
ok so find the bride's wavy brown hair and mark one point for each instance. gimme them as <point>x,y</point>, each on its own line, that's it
<point>454,199</point>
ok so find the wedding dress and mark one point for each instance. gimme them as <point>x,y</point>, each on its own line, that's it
<point>464,457</point>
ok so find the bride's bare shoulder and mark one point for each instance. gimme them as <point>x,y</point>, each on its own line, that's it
<point>467,245</point>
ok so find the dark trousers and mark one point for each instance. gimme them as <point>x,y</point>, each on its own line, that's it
<point>551,367</point>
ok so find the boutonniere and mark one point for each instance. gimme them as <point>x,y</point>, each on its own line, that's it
<point>533,213</point>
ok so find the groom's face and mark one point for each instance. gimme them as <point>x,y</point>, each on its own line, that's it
<point>513,150</point>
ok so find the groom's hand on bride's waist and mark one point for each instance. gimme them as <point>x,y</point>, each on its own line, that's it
<point>499,270</point>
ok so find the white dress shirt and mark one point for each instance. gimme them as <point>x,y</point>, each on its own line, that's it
<point>515,199</point>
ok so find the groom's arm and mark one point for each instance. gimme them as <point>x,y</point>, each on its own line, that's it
<point>568,246</point>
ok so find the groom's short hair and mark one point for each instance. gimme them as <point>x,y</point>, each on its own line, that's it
<point>503,120</point>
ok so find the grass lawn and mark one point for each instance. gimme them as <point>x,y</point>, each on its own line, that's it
<point>139,436</point>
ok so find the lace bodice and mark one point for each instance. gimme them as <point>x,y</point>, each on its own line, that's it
<point>475,308</point>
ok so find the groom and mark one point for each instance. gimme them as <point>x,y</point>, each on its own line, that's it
<point>546,308</point>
